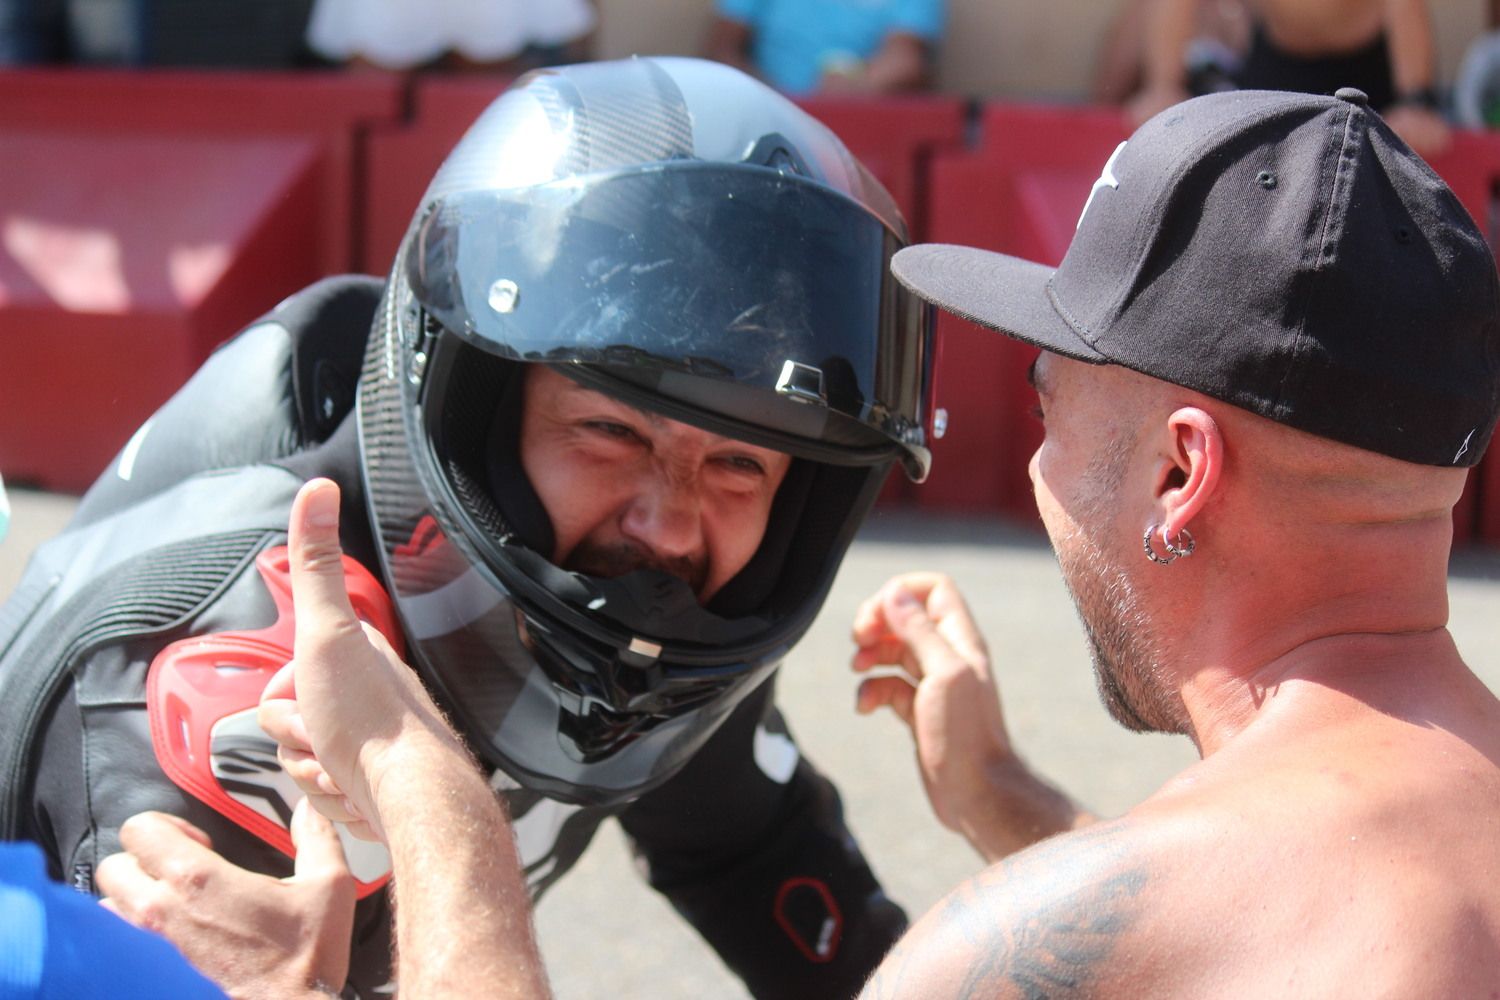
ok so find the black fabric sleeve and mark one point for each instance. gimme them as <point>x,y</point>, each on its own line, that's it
<point>759,860</point>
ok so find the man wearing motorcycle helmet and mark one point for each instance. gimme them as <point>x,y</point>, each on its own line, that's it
<point>634,380</point>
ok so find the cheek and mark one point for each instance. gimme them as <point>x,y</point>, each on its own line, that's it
<point>575,499</point>
<point>733,530</point>
<point>1049,483</point>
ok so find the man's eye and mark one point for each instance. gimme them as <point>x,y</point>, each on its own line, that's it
<point>614,430</point>
<point>744,463</point>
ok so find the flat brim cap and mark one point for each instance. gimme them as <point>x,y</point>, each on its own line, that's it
<point>1284,253</point>
<point>1008,294</point>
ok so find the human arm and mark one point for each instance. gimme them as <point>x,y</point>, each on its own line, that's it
<point>1169,28</point>
<point>978,786</point>
<point>1414,116</point>
<point>356,721</point>
<point>1120,64</point>
<point>902,62</point>
<point>749,844</point>
<point>727,40</point>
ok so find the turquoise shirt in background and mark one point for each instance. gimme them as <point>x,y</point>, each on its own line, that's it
<point>795,40</point>
<point>58,943</point>
<point>4,512</point>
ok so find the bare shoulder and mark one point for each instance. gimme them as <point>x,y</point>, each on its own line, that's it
<point>1056,920</point>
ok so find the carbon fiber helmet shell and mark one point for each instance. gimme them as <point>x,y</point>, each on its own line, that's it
<point>674,234</point>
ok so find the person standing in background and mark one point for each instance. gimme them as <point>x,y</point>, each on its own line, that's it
<point>830,46</point>
<point>501,35</point>
<point>1383,47</point>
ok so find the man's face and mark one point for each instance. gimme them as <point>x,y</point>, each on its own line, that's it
<point>1086,479</point>
<point>628,490</point>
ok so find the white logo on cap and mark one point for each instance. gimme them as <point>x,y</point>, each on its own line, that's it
<point>1464,447</point>
<point>1106,179</point>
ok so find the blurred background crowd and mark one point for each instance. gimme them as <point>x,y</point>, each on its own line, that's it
<point>1417,56</point>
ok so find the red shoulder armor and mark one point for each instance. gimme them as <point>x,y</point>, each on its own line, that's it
<point>202,694</point>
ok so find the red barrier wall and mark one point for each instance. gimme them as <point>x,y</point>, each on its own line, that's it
<point>123,260</point>
<point>331,108</point>
<point>895,138</point>
<point>143,218</point>
<point>403,157</point>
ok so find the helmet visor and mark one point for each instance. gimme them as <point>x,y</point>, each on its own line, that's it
<point>719,284</point>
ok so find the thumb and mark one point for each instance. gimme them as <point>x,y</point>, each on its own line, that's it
<point>320,853</point>
<point>319,596</point>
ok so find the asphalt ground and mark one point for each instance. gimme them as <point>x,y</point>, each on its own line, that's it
<point>604,934</point>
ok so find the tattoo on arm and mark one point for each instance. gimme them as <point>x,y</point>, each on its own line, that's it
<point>1038,925</point>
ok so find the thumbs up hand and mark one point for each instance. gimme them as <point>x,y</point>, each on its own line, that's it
<point>346,699</point>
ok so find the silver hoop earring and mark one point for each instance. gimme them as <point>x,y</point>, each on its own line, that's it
<point>1184,545</point>
<point>1175,550</point>
<point>1151,553</point>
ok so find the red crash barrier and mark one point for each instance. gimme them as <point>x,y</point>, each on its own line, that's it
<point>895,138</point>
<point>333,109</point>
<point>403,156</point>
<point>122,262</point>
<point>1020,192</point>
<point>143,218</point>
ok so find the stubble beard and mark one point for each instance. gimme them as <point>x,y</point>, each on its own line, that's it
<point>1123,641</point>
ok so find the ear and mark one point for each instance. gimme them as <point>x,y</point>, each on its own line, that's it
<point>1189,474</point>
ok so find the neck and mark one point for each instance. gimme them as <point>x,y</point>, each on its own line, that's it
<point>1348,603</point>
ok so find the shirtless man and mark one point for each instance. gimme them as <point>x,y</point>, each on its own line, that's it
<point>1383,47</point>
<point>1279,373</point>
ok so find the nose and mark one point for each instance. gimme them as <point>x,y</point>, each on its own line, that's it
<point>666,518</point>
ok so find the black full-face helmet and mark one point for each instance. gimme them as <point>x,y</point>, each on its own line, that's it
<point>674,234</point>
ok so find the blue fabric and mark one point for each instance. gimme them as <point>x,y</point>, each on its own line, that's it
<point>55,942</point>
<point>793,39</point>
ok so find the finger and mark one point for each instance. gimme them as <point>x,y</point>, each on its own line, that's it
<point>334,807</point>
<point>282,685</point>
<point>870,623</point>
<point>911,623</point>
<point>955,622</point>
<point>121,879</point>
<point>282,721</point>
<point>889,652</point>
<point>895,693</point>
<point>187,828</point>
<point>163,849</point>
<point>319,596</point>
<point>308,772</point>
<point>320,853</point>
<point>361,830</point>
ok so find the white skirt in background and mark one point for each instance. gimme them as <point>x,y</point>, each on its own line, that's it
<point>400,34</point>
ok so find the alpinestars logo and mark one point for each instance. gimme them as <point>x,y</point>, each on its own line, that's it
<point>1107,179</point>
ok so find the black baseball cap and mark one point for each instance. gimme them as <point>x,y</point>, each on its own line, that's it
<point>1285,253</point>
